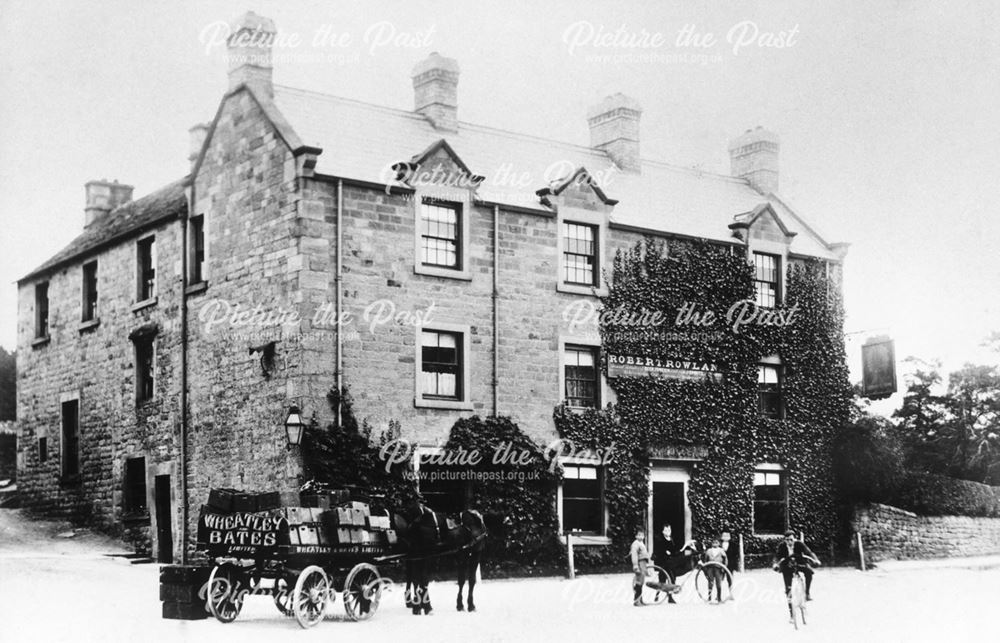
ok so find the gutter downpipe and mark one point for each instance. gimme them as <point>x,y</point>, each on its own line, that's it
<point>184,376</point>
<point>340,303</point>
<point>496,315</point>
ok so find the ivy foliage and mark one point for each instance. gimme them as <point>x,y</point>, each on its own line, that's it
<point>513,484</point>
<point>719,415</point>
<point>349,455</point>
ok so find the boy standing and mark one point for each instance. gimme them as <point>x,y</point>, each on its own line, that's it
<point>640,559</point>
<point>715,554</point>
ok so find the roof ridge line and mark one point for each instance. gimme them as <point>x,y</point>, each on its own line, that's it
<point>506,132</point>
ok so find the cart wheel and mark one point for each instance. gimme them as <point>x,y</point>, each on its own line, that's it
<point>312,591</point>
<point>283,597</point>
<point>722,576</point>
<point>226,589</point>
<point>362,592</point>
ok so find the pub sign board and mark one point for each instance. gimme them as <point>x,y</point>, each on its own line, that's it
<point>878,366</point>
<point>660,367</point>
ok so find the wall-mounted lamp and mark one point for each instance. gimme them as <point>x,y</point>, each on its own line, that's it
<point>294,426</point>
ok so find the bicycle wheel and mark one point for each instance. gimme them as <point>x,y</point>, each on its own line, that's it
<point>723,577</point>
<point>655,592</point>
<point>797,601</point>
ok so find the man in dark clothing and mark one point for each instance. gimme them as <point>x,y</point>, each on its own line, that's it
<point>732,552</point>
<point>732,557</point>
<point>791,553</point>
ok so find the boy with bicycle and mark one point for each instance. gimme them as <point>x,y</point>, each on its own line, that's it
<point>793,553</point>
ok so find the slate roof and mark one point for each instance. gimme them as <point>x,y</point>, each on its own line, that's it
<point>362,141</point>
<point>134,217</point>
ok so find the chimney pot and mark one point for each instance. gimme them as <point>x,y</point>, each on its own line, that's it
<point>754,156</point>
<point>614,129</point>
<point>249,54</point>
<point>103,197</point>
<point>435,91</point>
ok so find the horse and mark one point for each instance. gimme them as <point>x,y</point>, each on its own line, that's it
<point>427,535</point>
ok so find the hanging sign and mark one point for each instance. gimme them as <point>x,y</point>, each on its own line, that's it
<point>878,366</point>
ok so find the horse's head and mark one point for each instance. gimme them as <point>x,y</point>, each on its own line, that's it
<point>473,521</point>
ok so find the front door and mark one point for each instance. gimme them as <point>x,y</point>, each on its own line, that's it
<point>668,503</point>
<point>164,531</point>
<point>668,509</point>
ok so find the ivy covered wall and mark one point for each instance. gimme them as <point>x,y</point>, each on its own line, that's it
<point>718,415</point>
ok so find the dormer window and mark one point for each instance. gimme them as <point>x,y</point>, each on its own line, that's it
<point>440,234</point>
<point>766,279</point>
<point>580,254</point>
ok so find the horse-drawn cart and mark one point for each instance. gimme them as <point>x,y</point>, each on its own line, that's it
<point>308,554</point>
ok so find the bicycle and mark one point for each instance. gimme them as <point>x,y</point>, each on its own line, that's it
<point>796,595</point>
<point>655,592</point>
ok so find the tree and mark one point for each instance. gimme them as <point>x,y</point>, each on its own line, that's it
<point>973,403</point>
<point>956,433</point>
<point>8,385</point>
<point>868,457</point>
<point>922,417</point>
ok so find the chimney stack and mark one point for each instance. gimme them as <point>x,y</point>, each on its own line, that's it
<point>435,91</point>
<point>104,196</point>
<point>614,129</point>
<point>197,137</point>
<point>754,156</point>
<point>249,54</point>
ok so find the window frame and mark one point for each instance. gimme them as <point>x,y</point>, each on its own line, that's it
<point>69,441</point>
<point>143,379</point>
<point>91,292</point>
<point>42,311</point>
<point>595,353</point>
<point>463,401</point>
<point>595,256</point>
<point>130,506</point>
<point>463,213</point>
<point>145,273</point>
<point>777,393</point>
<point>456,239</point>
<point>197,265</point>
<point>601,476</point>
<point>444,366</point>
<point>777,283</point>
<point>768,469</point>
<point>599,222</point>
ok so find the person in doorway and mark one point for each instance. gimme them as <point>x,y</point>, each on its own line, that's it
<point>715,554</point>
<point>640,560</point>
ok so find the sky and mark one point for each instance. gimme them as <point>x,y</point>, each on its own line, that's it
<point>887,113</point>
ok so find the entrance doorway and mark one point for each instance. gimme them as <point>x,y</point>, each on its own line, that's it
<point>668,503</point>
<point>164,530</point>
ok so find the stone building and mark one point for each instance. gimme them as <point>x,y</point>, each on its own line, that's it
<point>160,351</point>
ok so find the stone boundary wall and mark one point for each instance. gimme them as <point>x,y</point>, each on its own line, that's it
<point>889,533</point>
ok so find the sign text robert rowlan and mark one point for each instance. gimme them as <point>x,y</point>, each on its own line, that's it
<point>655,362</point>
<point>638,366</point>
